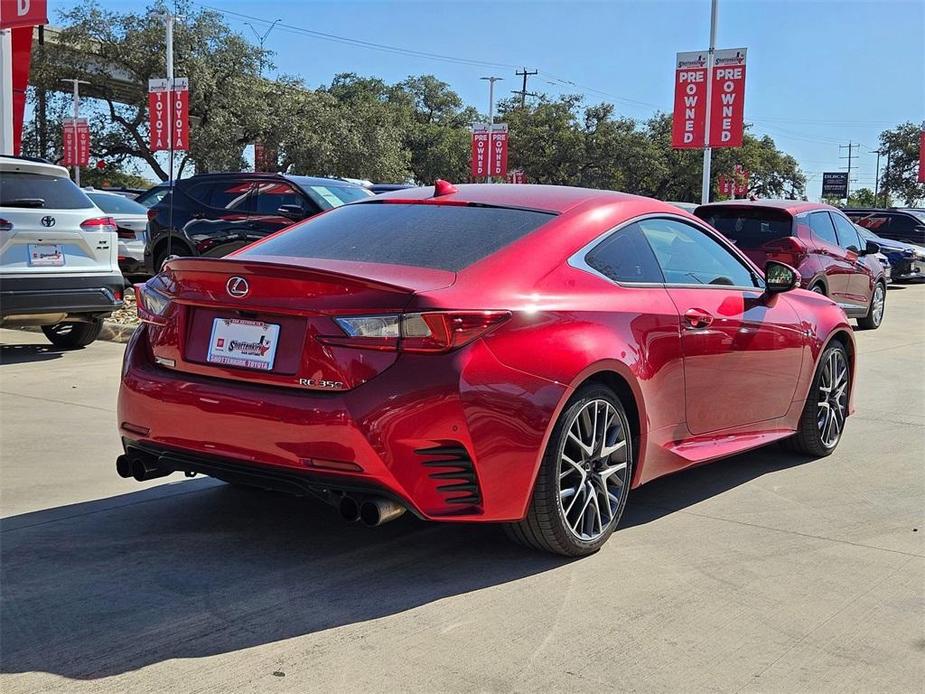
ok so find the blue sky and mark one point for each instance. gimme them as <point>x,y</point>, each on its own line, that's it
<point>820,74</point>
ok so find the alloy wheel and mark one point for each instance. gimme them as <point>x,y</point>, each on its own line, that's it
<point>833,398</point>
<point>593,466</point>
<point>878,304</point>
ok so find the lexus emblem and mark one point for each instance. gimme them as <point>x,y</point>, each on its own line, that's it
<point>237,287</point>
<point>48,221</point>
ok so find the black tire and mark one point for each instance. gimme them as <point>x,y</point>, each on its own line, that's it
<point>73,335</point>
<point>808,439</point>
<point>818,289</point>
<point>874,318</point>
<point>545,526</point>
<point>177,249</point>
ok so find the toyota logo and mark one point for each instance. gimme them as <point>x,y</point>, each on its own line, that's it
<point>48,221</point>
<point>237,286</point>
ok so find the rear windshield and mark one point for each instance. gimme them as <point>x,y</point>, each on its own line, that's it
<point>748,227</point>
<point>40,191</point>
<point>116,204</point>
<point>329,196</point>
<point>441,237</point>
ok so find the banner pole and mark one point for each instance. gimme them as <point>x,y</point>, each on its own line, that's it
<point>170,116</point>
<point>707,150</point>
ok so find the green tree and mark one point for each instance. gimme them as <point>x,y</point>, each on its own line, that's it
<point>901,177</point>
<point>222,67</point>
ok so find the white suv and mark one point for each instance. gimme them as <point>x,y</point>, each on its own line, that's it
<point>58,254</point>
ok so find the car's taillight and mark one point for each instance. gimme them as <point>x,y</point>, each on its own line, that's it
<point>789,250</point>
<point>99,224</point>
<point>150,303</point>
<point>5,225</point>
<point>152,213</point>
<point>437,331</point>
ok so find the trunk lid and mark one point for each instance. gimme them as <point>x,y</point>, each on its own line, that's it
<point>260,321</point>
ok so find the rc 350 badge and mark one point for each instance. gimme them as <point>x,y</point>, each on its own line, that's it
<point>321,384</point>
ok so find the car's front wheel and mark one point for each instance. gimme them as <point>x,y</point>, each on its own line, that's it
<point>874,316</point>
<point>73,335</point>
<point>584,477</point>
<point>823,419</point>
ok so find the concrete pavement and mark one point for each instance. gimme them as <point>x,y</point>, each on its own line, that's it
<point>763,573</point>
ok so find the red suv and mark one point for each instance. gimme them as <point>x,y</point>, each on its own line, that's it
<point>816,239</point>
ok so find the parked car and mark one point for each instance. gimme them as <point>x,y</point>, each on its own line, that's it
<point>816,239</point>
<point>907,261</point>
<point>153,195</point>
<point>214,214</point>
<point>58,254</point>
<point>131,228</point>
<point>509,353</point>
<point>896,223</point>
<point>686,206</point>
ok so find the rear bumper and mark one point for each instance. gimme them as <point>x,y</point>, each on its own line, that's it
<point>60,294</point>
<point>453,437</point>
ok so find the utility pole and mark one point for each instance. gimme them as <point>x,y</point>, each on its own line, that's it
<point>262,38</point>
<point>886,178</point>
<point>523,92</point>
<point>850,147</point>
<point>491,118</point>
<point>76,83</point>
<point>707,151</point>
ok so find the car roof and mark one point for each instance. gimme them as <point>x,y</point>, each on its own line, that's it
<point>794,207</point>
<point>533,196</point>
<point>29,165</point>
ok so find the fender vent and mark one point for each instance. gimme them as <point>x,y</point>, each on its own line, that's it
<point>455,469</point>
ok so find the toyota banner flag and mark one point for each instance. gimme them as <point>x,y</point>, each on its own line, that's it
<point>168,112</point>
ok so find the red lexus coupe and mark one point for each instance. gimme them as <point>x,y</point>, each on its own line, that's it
<point>506,353</point>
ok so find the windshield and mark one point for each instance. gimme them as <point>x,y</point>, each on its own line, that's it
<point>330,196</point>
<point>116,204</point>
<point>441,237</point>
<point>41,191</point>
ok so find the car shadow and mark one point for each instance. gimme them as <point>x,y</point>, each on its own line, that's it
<point>689,487</point>
<point>198,568</point>
<point>23,354</point>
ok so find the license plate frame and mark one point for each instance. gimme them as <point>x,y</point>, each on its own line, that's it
<point>40,256</point>
<point>242,343</point>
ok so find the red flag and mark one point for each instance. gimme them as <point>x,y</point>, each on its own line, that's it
<point>498,164</point>
<point>23,13</point>
<point>727,97</point>
<point>76,141</point>
<point>922,157</point>
<point>690,100</point>
<point>179,120</point>
<point>480,154</point>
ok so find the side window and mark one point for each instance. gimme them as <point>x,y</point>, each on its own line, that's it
<point>272,195</point>
<point>821,224</point>
<point>625,256</point>
<point>232,195</point>
<point>847,234</point>
<point>201,192</point>
<point>688,255</point>
<point>900,223</point>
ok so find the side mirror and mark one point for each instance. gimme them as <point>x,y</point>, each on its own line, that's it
<point>291,211</point>
<point>872,248</point>
<point>779,277</point>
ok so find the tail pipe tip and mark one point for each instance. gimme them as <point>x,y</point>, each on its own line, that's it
<point>375,512</point>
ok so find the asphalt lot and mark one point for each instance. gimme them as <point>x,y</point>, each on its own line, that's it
<point>763,573</point>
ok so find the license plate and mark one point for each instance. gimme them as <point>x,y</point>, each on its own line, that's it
<point>245,343</point>
<point>45,255</point>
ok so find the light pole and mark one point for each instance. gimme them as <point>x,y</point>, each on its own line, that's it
<point>707,150</point>
<point>491,118</point>
<point>76,83</point>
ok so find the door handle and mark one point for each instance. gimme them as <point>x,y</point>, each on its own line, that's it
<point>698,318</point>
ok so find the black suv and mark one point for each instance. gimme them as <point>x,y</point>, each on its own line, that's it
<point>214,214</point>
<point>897,223</point>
